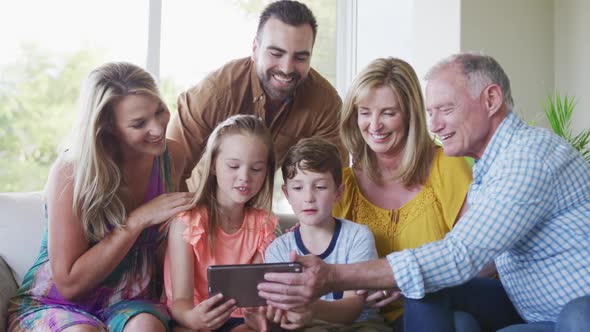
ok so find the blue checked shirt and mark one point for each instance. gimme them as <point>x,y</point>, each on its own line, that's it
<point>529,210</point>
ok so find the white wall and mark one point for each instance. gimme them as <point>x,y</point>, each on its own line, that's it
<point>542,44</point>
<point>519,34</point>
<point>383,30</point>
<point>418,31</point>
<point>572,56</point>
<point>436,32</point>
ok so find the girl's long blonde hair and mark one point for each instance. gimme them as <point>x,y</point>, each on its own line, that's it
<point>418,151</point>
<point>205,195</point>
<point>93,149</point>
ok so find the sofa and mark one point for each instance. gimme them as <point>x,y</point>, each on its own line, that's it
<point>21,231</point>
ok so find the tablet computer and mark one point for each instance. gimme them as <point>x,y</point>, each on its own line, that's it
<point>240,281</point>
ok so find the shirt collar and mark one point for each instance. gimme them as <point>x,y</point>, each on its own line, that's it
<point>500,141</point>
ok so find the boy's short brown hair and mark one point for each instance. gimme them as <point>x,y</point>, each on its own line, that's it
<point>313,154</point>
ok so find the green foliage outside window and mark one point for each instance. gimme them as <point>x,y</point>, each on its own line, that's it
<point>38,98</point>
<point>39,95</point>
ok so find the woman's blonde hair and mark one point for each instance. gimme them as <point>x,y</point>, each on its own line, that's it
<point>205,195</point>
<point>93,149</point>
<point>419,146</point>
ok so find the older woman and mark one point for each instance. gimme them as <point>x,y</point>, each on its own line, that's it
<point>400,184</point>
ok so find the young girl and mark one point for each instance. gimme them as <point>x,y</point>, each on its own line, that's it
<point>229,224</point>
<point>107,193</point>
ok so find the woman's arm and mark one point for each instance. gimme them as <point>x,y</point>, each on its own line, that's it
<point>342,311</point>
<point>78,268</point>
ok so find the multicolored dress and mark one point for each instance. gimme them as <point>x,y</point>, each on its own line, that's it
<point>134,287</point>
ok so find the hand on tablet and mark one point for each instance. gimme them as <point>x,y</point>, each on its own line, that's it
<point>211,313</point>
<point>381,298</point>
<point>295,290</point>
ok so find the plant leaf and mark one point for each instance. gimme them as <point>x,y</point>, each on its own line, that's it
<point>559,113</point>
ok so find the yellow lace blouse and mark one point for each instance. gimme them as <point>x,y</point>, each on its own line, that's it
<point>426,218</point>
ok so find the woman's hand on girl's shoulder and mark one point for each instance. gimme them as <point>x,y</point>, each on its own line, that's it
<point>160,209</point>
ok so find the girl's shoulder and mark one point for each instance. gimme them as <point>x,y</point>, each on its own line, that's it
<point>196,217</point>
<point>196,222</point>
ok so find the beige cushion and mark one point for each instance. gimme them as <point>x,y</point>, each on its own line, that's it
<point>286,221</point>
<point>7,290</point>
<point>21,230</point>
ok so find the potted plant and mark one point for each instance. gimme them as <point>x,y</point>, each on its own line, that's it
<point>559,113</point>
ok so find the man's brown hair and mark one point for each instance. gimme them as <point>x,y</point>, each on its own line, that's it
<point>313,154</point>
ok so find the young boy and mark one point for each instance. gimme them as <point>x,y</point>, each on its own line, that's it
<point>312,172</point>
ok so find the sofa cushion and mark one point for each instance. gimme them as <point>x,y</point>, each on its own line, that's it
<point>286,221</point>
<point>7,290</point>
<point>21,230</point>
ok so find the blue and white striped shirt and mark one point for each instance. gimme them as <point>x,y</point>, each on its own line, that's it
<point>529,210</point>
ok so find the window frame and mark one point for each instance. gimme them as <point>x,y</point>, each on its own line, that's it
<point>346,13</point>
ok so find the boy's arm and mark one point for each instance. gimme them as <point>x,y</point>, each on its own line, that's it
<point>349,308</point>
<point>342,311</point>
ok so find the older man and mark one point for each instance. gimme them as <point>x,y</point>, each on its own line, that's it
<point>276,83</point>
<point>529,211</point>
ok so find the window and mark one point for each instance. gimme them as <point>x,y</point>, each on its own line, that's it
<point>43,64</point>
<point>48,48</point>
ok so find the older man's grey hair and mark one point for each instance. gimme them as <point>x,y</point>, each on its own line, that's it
<point>481,70</point>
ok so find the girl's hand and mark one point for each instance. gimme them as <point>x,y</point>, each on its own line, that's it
<point>255,318</point>
<point>211,314</point>
<point>379,299</point>
<point>160,209</point>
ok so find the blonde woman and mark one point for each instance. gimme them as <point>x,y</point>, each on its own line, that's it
<point>107,194</point>
<point>400,184</point>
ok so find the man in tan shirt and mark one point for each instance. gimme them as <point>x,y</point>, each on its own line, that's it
<point>276,83</point>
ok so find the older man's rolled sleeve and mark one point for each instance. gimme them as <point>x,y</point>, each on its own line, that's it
<point>407,273</point>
